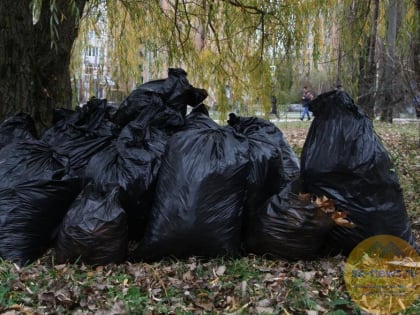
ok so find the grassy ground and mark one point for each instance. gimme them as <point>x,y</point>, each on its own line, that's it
<point>251,285</point>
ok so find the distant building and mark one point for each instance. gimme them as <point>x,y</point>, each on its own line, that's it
<point>93,74</point>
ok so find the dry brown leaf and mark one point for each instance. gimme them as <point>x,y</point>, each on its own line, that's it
<point>344,223</point>
<point>339,218</point>
<point>264,310</point>
<point>220,270</point>
<point>326,204</point>
<point>188,276</point>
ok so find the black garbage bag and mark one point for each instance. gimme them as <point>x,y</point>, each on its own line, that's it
<point>263,130</point>
<point>132,162</point>
<point>63,114</point>
<point>199,118</point>
<point>82,134</point>
<point>16,128</point>
<point>30,160</point>
<point>344,159</point>
<point>287,227</point>
<point>169,120</point>
<point>199,196</point>
<point>168,97</point>
<point>141,103</point>
<point>29,214</point>
<point>200,108</point>
<point>95,117</point>
<point>138,103</point>
<point>90,120</point>
<point>267,174</point>
<point>176,91</point>
<point>94,230</point>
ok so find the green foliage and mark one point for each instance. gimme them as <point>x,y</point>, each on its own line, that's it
<point>217,42</point>
<point>134,299</point>
<point>298,298</point>
<point>5,277</point>
<point>414,308</point>
<point>225,42</point>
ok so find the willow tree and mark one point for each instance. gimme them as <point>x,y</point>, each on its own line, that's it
<point>400,76</point>
<point>410,37</point>
<point>215,41</point>
<point>218,43</point>
<point>389,72</point>
<point>355,35</point>
<point>368,59</point>
<point>377,53</point>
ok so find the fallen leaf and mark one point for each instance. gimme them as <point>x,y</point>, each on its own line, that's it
<point>339,217</point>
<point>326,204</point>
<point>220,270</point>
<point>188,276</point>
<point>264,310</point>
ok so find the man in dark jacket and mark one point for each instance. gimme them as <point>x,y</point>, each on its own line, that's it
<point>306,98</point>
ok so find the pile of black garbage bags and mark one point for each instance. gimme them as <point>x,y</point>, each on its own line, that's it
<point>177,184</point>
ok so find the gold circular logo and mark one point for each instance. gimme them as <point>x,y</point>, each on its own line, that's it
<point>382,274</point>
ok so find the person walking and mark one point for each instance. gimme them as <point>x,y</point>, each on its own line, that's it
<point>306,98</point>
<point>274,107</point>
<point>416,103</point>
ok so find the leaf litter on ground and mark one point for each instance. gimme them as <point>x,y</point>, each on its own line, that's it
<point>250,285</point>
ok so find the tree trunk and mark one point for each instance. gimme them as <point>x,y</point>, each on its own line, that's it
<point>52,72</point>
<point>416,50</point>
<point>389,73</point>
<point>367,66</point>
<point>36,74</point>
<point>337,31</point>
<point>16,55</point>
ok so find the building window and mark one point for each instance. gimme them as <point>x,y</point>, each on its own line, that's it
<point>92,51</point>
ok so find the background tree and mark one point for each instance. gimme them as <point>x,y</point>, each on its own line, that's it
<point>367,60</point>
<point>389,80</point>
<point>363,56</point>
<point>416,45</point>
<point>224,41</point>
